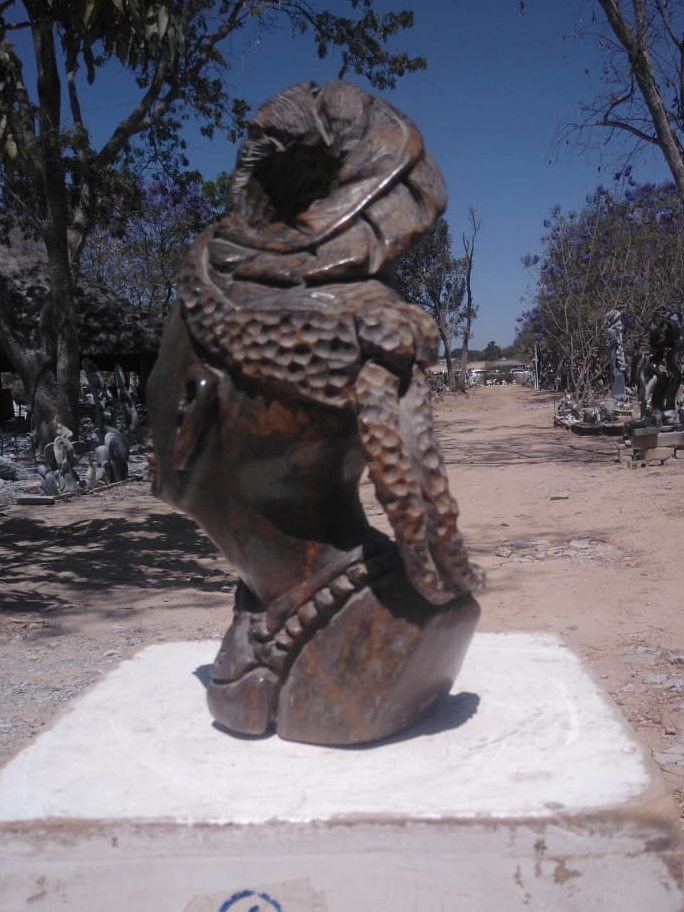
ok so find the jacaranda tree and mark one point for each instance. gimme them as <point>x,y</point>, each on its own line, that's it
<point>623,251</point>
<point>138,252</point>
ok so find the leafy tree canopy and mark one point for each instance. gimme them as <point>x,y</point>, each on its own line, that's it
<point>430,275</point>
<point>623,251</point>
<point>492,352</point>
<point>58,183</point>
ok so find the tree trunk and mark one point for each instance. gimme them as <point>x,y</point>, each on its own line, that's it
<point>42,393</point>
<point>464,356</point>
<point>451,378</point>
<point>58,336</point>
<point>447,338</point>
<point>59,319</point>
<point>636,46</point>
<point>470,308</point>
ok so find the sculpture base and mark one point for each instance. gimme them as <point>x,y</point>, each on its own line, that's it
<point>523,791</point>
<point>618,390</point>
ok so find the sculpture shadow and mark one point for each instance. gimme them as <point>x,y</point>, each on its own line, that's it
<point>453,711</point>
<point>203,675</point>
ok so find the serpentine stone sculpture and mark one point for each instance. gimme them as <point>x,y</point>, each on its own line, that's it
<point>659,373</point>
<point>616,353</point>
<point>289,365</point>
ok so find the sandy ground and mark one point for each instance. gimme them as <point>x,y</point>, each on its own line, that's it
<point>573,544</point>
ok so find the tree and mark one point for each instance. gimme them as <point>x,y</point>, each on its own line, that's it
<point>643,72</point>
<point>470,308</point>
<point>139,253</point>
<point>492,351</point>
<point>623,251</point>
<point>53,178</point>
<point>429,275</point>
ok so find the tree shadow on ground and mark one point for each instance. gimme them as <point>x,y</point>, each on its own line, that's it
<point>525,444</point>
<point>44,564</point>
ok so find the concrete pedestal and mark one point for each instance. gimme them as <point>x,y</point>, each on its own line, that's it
<point>525,791</point>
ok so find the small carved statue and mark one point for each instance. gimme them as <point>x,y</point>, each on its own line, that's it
<point>289,365</point>
<point>58,473</point>
<point>112,457</point>
<point>616,352</point>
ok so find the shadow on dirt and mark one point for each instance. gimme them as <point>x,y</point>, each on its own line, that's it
<point>155,552</point>
<point>524,445</point>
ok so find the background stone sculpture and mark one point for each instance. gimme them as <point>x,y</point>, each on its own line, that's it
<point>290,364</point>
<point>616,353</point>
<point>659,371</point>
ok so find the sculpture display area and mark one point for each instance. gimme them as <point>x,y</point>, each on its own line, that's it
<point>657,378</point>
<point>107,456</point>
<point>288,366</point>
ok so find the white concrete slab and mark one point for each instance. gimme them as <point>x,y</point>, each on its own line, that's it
<point>141,745</point>
<point>525,791</point>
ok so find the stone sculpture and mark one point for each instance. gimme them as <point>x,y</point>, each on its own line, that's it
<point>129,413</point>
<point>659,373</point>
<point>616,353</point>
<point>289,365</point>
<point>111,457</point>
<point>58,473</point>
<point>102,397</point>
<point>109,462</point>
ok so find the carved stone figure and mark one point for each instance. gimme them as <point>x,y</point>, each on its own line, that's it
<point>58,473</point>
<point>289,365</point>
<point>659,372</point>
<point>616,353</point>
<point>129,413</point>
<point>102,397</point>
<point>112,457</point>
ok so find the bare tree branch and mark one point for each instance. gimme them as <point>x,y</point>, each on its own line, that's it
<point>627,128</point>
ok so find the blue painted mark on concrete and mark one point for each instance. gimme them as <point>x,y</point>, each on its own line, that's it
<point>237,905</point>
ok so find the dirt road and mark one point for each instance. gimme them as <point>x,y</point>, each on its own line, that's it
<point>573,544</point>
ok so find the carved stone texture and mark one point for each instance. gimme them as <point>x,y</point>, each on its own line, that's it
<point>289,366</point>
<point>659,372</point>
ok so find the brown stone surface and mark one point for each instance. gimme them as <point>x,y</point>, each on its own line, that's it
<point>276,384</point>
<point>371,671</point>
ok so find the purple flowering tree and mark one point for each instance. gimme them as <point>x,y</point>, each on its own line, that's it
<point>623,251</point>
<point>139,258</point>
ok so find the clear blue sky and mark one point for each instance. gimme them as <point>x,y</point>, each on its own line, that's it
<point>497,89</point>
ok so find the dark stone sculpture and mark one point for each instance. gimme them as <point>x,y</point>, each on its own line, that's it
<point>659,373</point>
<point>289,365</point>
<point>616,353</point>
